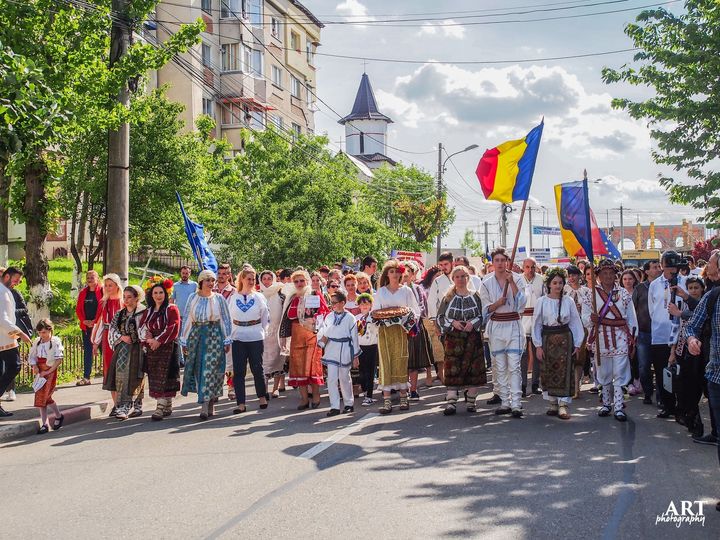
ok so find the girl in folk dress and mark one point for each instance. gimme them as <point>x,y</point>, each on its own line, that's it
<point>160,328</point>
<point>420,353</point>
<point>393,340</point>
<point>274,357</point>
<point>558,334</point>
<point>45,356</point>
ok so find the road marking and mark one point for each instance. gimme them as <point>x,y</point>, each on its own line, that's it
<point>337,437</point>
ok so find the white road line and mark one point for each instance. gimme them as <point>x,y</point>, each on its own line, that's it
<point>337,437</point>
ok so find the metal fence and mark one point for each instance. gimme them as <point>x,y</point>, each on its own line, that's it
<point>169,260</point>
<point>72,362</point>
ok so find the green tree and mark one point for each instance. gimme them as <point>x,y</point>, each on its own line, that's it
<point>69,47</point>
<point>473,246</point>
<point>405,200</point>
<point>295,204</point>
<point>678,60</point>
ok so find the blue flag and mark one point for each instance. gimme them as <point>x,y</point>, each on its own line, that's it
<point>611,248</point>
<point>196,236</point>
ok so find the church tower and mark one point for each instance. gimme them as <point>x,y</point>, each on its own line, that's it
<point>366,128</point>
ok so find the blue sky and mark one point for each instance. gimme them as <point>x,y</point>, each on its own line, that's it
<point>460,105</point>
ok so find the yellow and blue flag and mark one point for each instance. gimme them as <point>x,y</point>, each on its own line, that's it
<point>580,233</point>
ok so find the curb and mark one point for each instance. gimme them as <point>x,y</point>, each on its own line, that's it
<point>74,415</point>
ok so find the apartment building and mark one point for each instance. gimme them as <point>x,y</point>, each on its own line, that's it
<point>255,64</point>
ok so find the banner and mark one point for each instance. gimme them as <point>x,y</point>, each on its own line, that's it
<point>541,255</point>
<point>551,231</point>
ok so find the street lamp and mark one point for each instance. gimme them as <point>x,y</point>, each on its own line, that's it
<point>441,169</point>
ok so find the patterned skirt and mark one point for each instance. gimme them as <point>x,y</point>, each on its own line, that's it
<point>557,367</point>
<point>273,361</point>
<point>420,353</point>
<point>464,359</point>
<point>305,357</point>
<point>204,362</point>
<point>393,349</point>
<point>43,397</point>
<point>125,375</point>
<point>162,372</point>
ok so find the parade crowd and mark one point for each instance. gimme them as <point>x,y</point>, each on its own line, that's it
<point>651,332</point>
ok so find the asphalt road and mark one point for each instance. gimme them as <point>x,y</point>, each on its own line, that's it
<point>281,473</point>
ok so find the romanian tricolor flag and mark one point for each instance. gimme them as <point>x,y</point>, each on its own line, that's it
<point>505,172</point>
<point>578,228</point>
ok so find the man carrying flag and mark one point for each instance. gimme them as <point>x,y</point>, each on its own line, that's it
<point>505,174</point>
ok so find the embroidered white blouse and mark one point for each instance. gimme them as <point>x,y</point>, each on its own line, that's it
<point>204,309</point>
<point>248,307</point>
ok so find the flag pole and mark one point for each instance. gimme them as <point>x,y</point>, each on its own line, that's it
<point>515,244</point>
<point>592,285</point>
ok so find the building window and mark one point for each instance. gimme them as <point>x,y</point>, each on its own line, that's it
<point>294,86</point>
<point>253,11</point>
<point>277,121</point>
<point>362,142</point>
<point>277,76</point>
<point>310,53</point>
<point>206,55</point>
<point>309,97</point>
<point>232,114</point>
<point>295,41</point>
<point>208,107</point>
<point>206,6</point>
<point>297,131</point>
<point>229,9</point>
<point>257,120</point>
<point>276,29</point>
<point>257,63</point>
<point>231,59</point>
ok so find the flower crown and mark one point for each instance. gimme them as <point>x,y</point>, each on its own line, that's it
<point>166,283</point>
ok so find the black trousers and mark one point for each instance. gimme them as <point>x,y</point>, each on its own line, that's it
<point>368,365</point>
<point>659,355</point>
<point>242,353</point>
<point>9,368</point>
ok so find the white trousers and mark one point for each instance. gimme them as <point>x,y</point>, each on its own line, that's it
<point>612,373</point>
<point>566,400</point>
<point>507,368</point>
<point>335,375</point>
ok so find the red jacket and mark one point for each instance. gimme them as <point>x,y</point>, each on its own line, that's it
<point>80,306</point>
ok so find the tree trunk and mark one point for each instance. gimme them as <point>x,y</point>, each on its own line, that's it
<point>4,214</point>
<point>77,239</point>
<point>36,266</point>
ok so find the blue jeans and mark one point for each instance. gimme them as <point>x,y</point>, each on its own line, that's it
<point>645,362</point>
<point>714,399</point>
<point>88,353</point>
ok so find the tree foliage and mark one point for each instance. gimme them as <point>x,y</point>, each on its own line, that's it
<point>405,200</point>
<point>679,61</point>
<point>473,246</point>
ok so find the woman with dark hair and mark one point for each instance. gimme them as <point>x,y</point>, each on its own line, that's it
<point>557,333</point>
<point>159,329</point>
<point>125,375</point>
<point>628,280</point>
<point>420,354</point>
<point>438,352</point>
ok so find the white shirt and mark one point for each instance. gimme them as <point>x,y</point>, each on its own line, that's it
<point>533,291</point>
<point>342,334</point>
<point>663,330</point>
<point>438,288</point>
<point>546,314</point>
<point>51,351</point>
<point>371,335</point>
<point>475,283</point>
<point>8,328</point>
<point>404,296</point>
<point>248,307</point>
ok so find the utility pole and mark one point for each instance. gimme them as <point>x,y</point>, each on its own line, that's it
<point>505,209</point>
<point>487,244</point>
<point>118,181</point>
<point>622,229</point>
<point>439,198</point>
<point>530,233</point>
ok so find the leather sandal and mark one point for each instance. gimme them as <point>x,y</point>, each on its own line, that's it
<point>563,413</point>
<point>404,403</point>
<point>387,406</point>
<point>450,409</point>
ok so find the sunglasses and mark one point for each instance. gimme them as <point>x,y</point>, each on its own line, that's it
<point>300,281</point>
<point>336,302</point>
<point>333,286</point>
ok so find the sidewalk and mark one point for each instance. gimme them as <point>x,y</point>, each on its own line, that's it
<point>77,403</point>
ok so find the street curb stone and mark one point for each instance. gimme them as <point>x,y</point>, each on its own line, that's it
<point>74,415</point>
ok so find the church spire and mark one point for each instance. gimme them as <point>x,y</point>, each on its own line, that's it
<point>365,106</point>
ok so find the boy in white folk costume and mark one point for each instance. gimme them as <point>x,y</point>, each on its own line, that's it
<point>502,309</point>
<point>338,337</point>
<point>616,325</point>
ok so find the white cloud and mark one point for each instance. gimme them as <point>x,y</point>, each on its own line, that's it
<point>504,101</point>
<point>446,27</point>
<point>353,9</point>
